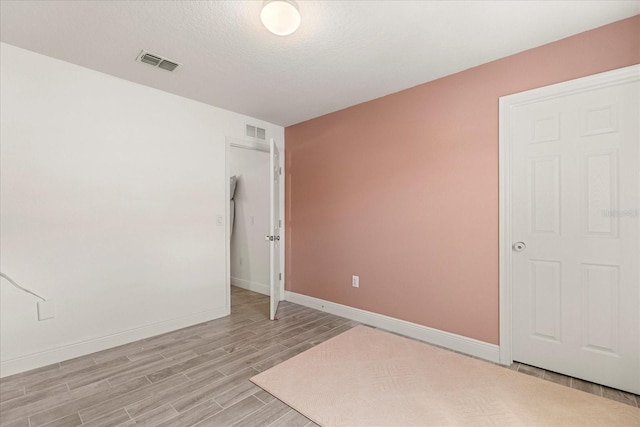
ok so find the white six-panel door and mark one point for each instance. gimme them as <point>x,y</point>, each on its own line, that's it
<point>575,231</point>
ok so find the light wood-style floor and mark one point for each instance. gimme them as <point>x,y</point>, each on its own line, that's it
<point>194,376</point>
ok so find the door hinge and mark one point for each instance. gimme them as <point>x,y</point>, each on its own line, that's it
<point>280,276</point>
<point>280,223</point>
<point>280,171</point>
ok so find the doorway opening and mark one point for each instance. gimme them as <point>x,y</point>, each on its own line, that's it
<point>253,225</point>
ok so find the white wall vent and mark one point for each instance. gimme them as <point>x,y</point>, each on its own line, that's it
<point>157,61</point>
<point>256,132</point>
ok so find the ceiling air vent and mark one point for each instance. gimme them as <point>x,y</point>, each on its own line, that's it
<point>157,61</point>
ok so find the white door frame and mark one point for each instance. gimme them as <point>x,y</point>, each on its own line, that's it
<point>609,78</point>
<point>257,146</point>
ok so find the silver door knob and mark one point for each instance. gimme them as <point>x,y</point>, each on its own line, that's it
<point>268,238</point>
<point>519,246</point>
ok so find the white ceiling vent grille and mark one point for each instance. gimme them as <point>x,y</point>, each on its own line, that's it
<point>157,61</point>
<point>256,132</point>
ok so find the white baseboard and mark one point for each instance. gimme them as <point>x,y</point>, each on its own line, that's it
<point>59,354</point>
<point>470,346</point>
<point>260,288</point>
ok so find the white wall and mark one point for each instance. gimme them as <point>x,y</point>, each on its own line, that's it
<point>109,197</point>
<point>249,250</point>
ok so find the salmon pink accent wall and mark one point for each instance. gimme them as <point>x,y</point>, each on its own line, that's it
<point>403,190</point>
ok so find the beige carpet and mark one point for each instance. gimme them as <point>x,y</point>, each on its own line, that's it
<point>366,377</point>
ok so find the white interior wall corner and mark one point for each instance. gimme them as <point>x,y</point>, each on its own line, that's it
<point>110,194</point>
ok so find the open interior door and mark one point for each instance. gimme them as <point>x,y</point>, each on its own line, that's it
<point>274,232</point>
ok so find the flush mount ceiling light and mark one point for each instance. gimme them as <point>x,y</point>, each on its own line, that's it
<point>281,17</point>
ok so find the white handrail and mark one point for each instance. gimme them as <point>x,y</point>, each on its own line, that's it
<point>20,287</point>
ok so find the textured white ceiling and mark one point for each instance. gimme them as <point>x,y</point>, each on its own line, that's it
<point>344,53</point>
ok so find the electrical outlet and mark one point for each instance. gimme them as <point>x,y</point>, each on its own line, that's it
<point>355,281</point>
<point>46,310</point>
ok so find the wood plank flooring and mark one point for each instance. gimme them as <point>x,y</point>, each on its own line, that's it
<point>194,376</point>
<point>197,376</point>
